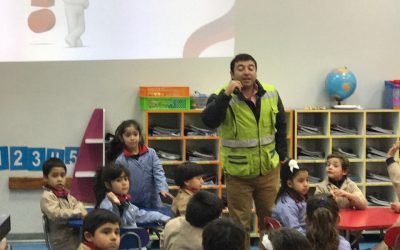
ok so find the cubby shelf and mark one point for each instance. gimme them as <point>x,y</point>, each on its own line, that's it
<point>322,131</point>
<point>182,143</point>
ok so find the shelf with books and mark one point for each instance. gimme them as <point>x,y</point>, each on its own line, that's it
<point>180,136</point>
<point>364,136</point>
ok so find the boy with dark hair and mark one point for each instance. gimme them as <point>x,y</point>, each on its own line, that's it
<point>188,176</point>
<point>223,234</point>
<point>100,230</point>
<point>186,232</point>
<point>58,205</point>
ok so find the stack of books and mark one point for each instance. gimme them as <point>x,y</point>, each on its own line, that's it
<point>373,153</point>
<point>308,130</point>
<point>377,202</point>
<point>347,152</point>
<point>167,155</point>
<point>194,155</point>
<point>192,130</point>
<point>304,154</point>
<point>163,131</point>
<point>372,177</point>
<point>375,130</point>
<point>336,129</point>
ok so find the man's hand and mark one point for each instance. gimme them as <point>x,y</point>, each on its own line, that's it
<point>232,86</point>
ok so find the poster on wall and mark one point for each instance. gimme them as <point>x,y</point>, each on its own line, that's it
<point>16,158</point>
<point>49,30</point>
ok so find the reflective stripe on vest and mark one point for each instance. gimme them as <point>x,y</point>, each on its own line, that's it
<point>249,143</point>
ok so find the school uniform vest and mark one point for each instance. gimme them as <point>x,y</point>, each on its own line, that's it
<point>248,147</point>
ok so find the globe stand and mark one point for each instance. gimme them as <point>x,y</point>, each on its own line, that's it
<point>340,106</point>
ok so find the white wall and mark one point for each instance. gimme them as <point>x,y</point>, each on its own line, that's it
<point>296,43</point>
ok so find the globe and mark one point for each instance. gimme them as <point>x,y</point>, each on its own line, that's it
<point>340,83</point>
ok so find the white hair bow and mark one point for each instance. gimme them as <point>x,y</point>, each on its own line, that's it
<point>292,165</point>
<point>267,243</point>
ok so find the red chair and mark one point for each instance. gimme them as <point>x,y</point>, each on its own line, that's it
<point>392,238</point>
<point>271,223</point>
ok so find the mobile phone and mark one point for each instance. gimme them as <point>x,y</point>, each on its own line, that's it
<point>236,91</point>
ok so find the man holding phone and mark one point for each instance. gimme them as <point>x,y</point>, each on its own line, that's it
<point>251,123</point>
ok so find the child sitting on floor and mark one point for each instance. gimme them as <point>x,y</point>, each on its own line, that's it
<point>290,208</point>
<point>322,217</point>
<point>58,205</point>
<point>185,232</point>
<point>285,239</point>
<point>223,233</point>
<point>188,176</point>
<point>100,230</point>
<point>114,178</point>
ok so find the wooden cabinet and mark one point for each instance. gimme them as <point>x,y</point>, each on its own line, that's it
<point>364,136</point>
<point>179,144</point>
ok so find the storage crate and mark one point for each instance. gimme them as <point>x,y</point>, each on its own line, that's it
<point>392,95</point>
<point>197,102</point>
<point>159,91</point>
<point>165,103</point>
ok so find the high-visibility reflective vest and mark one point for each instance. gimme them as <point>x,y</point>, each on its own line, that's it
<point>248,148</point>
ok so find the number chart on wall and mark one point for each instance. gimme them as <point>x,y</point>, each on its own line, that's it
<point>32,158</point>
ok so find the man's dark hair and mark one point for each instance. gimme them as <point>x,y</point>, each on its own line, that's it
<point>97,218</point>
<point>187,171</point>
<point>241,58</point>
<point>202,208</point>
<point>223,234</point>
<point>52,163</point>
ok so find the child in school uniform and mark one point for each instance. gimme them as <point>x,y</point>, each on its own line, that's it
<point>344,190</point>
<point>115,179</point>
<point>147,176</point>
<point>58,205</point>
<point>290,208</point>
<point>285,239</point>
<point>100,231</point>
<point>322,217</point>
<point>185,232</point>
<point>188,176</point>
<point>393,168</point>
<point>224,233</point>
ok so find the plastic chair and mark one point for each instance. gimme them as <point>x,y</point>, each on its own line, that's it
<point>46,230</point>
<point>271,223</point>
<point>134,238</point>
<point>392,238</point>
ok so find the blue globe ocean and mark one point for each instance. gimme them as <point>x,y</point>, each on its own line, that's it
<point>340,83</point>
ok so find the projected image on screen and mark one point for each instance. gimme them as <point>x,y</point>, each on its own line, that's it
<point>47,30</point>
